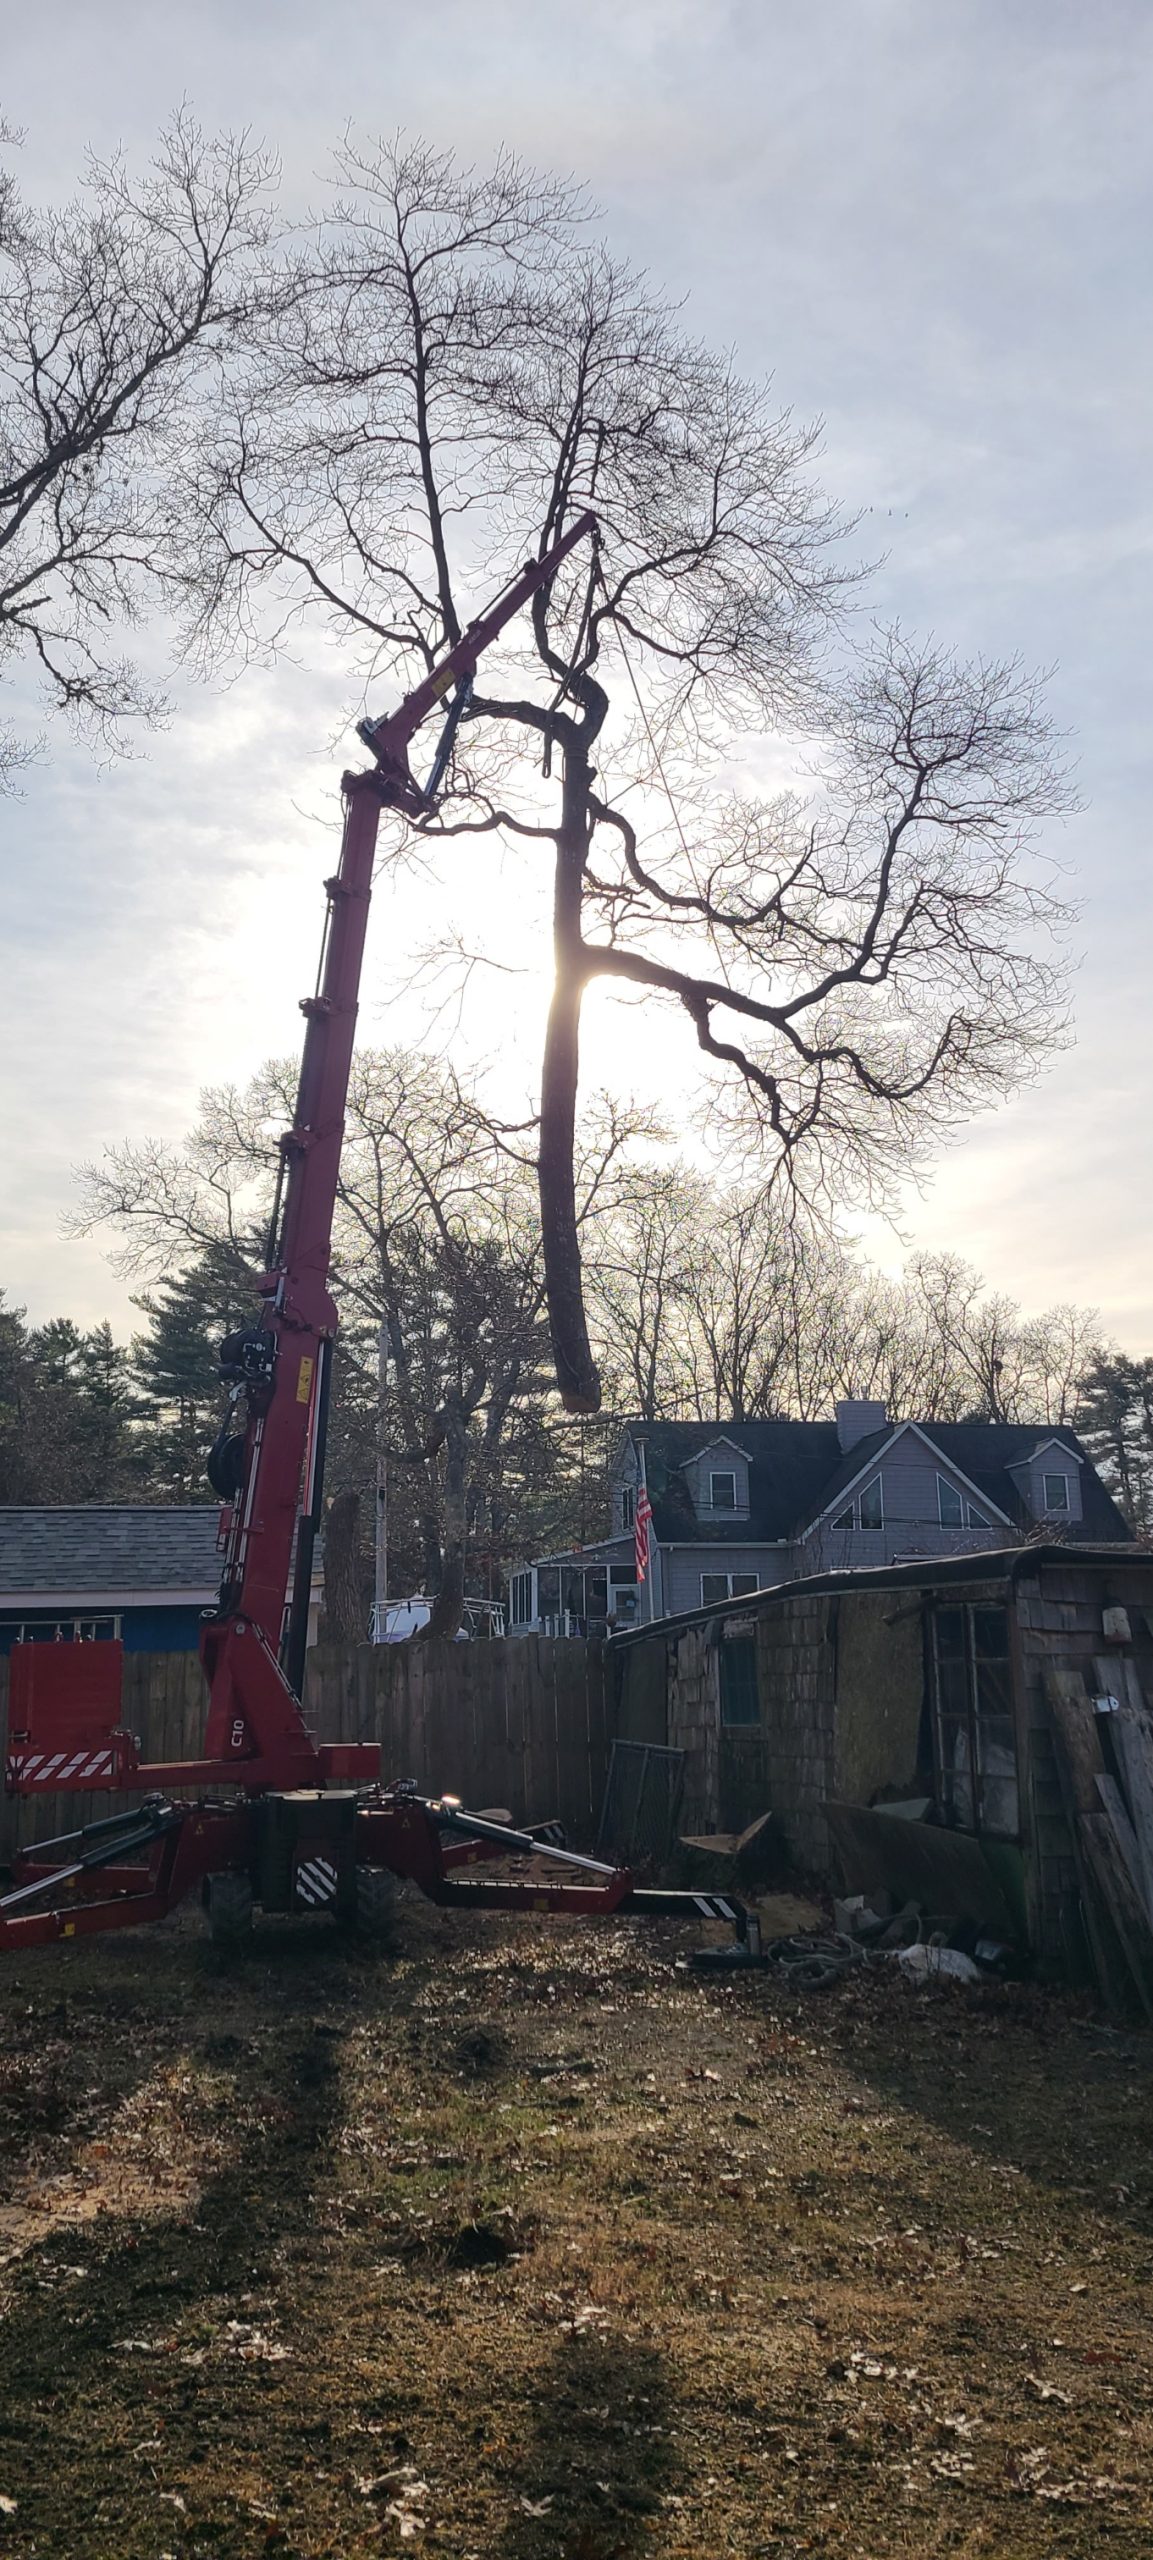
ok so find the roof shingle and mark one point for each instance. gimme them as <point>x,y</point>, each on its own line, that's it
<point>110,1548</point>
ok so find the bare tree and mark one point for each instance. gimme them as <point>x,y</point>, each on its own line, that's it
<point>118,315</point>
<point>860,962</point>
<point>435,1236</point>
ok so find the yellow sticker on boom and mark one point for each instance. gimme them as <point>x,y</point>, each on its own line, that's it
<point>304,1381</point>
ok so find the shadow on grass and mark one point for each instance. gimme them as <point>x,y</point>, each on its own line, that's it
<point>601,2460</point>
<point>184,2324</point>
<point>1017,2073</point>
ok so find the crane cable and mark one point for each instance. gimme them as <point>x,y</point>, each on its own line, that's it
<point>656,753</point>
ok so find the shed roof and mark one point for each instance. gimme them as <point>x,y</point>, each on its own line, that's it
<point>992,1565</point>
<point>107,1548</point>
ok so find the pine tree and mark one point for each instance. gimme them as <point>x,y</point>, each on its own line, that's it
<point>175,1366</point>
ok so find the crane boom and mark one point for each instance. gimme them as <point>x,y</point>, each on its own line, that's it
<point>279,1368</point>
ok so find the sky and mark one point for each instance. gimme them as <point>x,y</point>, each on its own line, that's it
<point>930,220</point>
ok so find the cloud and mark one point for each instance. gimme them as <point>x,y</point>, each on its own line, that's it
<point>931,226</point>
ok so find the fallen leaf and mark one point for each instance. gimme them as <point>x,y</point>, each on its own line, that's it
<point>1042,2390</point>
<point>536,2506</point>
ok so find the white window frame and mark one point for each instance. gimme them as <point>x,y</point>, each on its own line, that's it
<point>728,1593</point>
<point>970,1517</point>
<point>78,1630</point>
<point>1055,1510</point>
<point>850,1518</point>
<point>723,1475</point>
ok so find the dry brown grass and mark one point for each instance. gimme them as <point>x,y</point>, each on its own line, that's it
<point>541,2248</point>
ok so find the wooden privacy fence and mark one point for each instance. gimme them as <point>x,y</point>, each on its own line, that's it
<point>523,1722</point>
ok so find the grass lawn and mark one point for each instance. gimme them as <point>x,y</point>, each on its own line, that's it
<point>532,2245</point>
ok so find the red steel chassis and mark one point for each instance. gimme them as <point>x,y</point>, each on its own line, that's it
<point>302,1819</point>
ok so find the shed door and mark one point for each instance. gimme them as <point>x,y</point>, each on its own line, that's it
<point>975,1740</point>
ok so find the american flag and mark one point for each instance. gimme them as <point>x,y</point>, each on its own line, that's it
<point>644,1513</point>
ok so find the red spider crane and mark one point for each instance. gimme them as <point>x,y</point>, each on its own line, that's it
<point>305,1822</point>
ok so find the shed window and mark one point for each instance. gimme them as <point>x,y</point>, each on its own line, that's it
<point>1056,1493</point>
<point>976,1743</point>
<point>740,1698</point>
<point>723,1489</point>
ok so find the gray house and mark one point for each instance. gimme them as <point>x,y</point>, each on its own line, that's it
<point>744,1506</point>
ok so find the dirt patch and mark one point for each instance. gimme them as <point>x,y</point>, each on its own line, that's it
<point>689,2268</point>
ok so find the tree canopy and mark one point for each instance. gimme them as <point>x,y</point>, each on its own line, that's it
<point>862,959</point>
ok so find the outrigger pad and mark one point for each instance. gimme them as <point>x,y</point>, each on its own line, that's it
<point>64,1716</point>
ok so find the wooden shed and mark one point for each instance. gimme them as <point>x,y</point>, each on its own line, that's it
<point>971,1691</point>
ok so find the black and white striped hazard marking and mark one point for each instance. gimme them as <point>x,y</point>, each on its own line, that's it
<point>59,1768</point>
<point>316,1881</point>
<point>713,1906</point>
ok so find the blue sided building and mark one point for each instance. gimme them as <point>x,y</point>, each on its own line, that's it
<point>82,1573</point>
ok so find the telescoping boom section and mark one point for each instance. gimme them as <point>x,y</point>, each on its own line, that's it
<point>280,1818</point>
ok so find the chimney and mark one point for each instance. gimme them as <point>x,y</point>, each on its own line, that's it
<point>856,1418</point>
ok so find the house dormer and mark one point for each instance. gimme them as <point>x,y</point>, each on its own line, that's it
<point>718,1483</point>
<point>1049,1481</point>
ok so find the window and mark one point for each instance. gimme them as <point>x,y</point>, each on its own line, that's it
<point>521,1599</point>
<point>1056,1493</point>
<point>623,1594</point>
<point>866,1512</point>
<point>976,1745</point>
<point>60,1630</point>
<point>954,1511</point>
<point>740,1697</point>
<point>628,1507</point>
<point>726,1586</point>
<point>723,1489</point>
